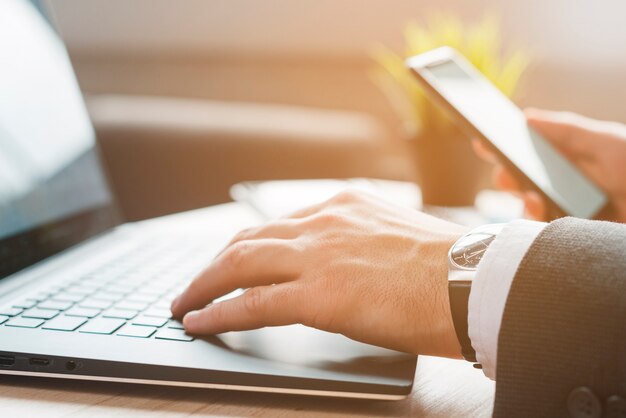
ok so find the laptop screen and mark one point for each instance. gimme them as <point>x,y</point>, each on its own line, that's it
<point>53,192</point>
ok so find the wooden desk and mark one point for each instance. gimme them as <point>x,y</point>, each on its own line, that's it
<point>443,387</point>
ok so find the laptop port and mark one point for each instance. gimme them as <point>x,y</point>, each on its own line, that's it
<point>6,361</point>
<point>36,361</point>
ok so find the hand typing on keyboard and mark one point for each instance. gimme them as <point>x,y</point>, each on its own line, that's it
<point>352,265</point>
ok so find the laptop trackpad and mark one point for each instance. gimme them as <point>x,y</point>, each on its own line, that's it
<point>302,346</point>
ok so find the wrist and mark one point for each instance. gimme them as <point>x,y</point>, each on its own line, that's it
<point>446,341</point>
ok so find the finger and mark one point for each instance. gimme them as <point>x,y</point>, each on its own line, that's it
<point>345,197</point>
<point>569,132</point>
<point>534,205</point>
<point>483,152</point>
<point>503,179</point>
<point>258,307</point>
<point>580,139</point>
<point>280,229</point>
<point>243,264</point>
<point>308,211</point>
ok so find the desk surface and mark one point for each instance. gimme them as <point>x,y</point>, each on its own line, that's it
<point>442,387</point>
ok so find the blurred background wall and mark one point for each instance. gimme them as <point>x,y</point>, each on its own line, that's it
<point>317,52</point>
<point>249,58</point>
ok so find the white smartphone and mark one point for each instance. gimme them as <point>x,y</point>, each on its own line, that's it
<point>483,112</point>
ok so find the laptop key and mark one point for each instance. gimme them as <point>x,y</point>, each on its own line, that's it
<point>95,303</point>
<point>81,289</point>
<point>120,313</point>
<point>54,304</point>
<point>119,288</point>
<point>40,313</point>
<point>24,322</point>
<point>136,306</point>
<point>141,297</point>
<point>172,334</point>
<point>150,321</point>
<point>163,304</point>
<point>55,289</point>
<point>129,283</point>
<point>136,331</point>
<point>160,313</point>
<point>93,284</point>
<point>102,326</point>
<point>25,304</point>
<point>3,319</point>
<point>11,311</point>
<point>175,324</point>
<point>64,323</point>
<point>39,296</point>
<point>150,291</point>
<point>83,312</point>
<point>110,296</point>
<point>68,297</point>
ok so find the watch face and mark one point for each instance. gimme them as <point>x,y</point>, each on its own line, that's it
<point>469,250</point>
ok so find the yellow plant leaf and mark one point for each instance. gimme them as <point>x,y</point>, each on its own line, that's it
<point>480,43</point>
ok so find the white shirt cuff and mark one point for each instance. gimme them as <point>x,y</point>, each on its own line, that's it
<point>491,285</point>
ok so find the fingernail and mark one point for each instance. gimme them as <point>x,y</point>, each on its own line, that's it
<point>191,319</point>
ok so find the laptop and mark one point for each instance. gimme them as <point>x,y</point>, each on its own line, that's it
<point>83,296</point>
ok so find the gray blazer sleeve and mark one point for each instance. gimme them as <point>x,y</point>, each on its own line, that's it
<point>562,342</point>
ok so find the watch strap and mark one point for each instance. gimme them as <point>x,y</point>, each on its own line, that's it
<point>459,291</point>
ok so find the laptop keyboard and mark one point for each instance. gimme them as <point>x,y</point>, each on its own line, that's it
<point>128,297</point>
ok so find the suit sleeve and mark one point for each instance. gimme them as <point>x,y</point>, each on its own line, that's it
<point>562,341</point>
<point>491,285</point>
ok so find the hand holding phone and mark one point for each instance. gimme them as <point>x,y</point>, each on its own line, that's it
<point>483,112</point>
<point>597,148</point>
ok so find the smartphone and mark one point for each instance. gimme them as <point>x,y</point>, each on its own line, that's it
<point>483,112</point>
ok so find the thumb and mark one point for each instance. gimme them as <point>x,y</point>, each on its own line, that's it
<point>569,132</point>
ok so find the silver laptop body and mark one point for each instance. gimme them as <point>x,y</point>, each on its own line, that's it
<point>83,296</point>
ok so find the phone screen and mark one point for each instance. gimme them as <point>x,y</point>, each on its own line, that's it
<point>503,124</point>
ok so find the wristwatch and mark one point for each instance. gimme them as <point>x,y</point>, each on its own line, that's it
<point>463,259</point>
